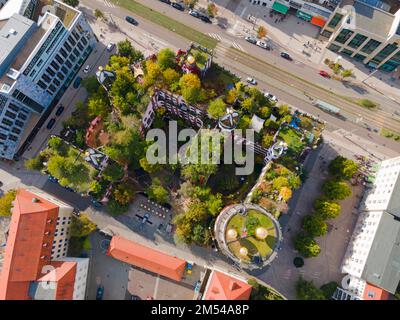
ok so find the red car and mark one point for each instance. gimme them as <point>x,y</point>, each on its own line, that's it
<point>324,74</point>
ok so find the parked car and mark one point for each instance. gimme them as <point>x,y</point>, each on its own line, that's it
<point>166,1</point>
<point>110,46</point>
<point>262,44</point>
<point>324,74</point>
<point>251,81</point>
<point>205,19</point>
<point>270,97</point>
<point>51,123</point>
<point>100,292</point>
<point>178,6</point>
<point>194,13</point>
<point>131,20</point>
<point>286,56</point>
<point>77,82</point>
<point>59,110</point>
<point>87,69</point>
<point>251,39</point>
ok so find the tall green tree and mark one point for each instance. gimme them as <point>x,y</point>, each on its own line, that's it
<point>82,226</point>
<point>125,49</point>
<point>336,190</point>
<point>217,108</point>
<point>306,245</point>
<point>327,209</point>
<point>343,168</point>
<point>306,290</point>
<point>6,202</point>
<point>166,59</point>
<point>315,225</point>
<point>190,87</point>
<point>157,192</point>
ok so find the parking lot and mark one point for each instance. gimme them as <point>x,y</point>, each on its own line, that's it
<point>147,285</point>
<point>148,218</point>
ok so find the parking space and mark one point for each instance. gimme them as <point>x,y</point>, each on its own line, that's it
<point>147,285</point>
<point>147,218</point>
<point>106,271</point>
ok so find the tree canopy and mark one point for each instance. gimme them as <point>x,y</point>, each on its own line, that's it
<point>327,209</point>
<point>157,192</point>
<point>336,190</point>
<point>342,168</point>
<point>6,202</point>
<point>166,58</point>
<point>190,87</point>
<point>125,49</point>
<point>217,108</point>
<point>315,225</point>
<point>82,226</point>
<point>306,245</point>
<point>306,290</point>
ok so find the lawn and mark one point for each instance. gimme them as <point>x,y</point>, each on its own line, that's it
<point>292,138</point>
<point>168,23</point>
<point>253,245</point>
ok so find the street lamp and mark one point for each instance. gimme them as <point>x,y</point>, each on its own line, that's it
<point>370,75</point>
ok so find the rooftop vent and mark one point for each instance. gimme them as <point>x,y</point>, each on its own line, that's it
<point>12,31</point>
<point>34,200</point>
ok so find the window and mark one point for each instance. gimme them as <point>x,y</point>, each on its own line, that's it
<point>68,64</point>
<point>67,46</point>
<point>71,41</point>
<point>13,138</point>
<point>359,57</point>
<point>76,36</point>
<point>80,46</point>
<point>347,52</point>
<point>22,116</point>
<point>64,70</point>
<point>19,123</point>
<point>334,47</point>
<point>56,82</point>
<point>13,107</point>
<point>344,35</point>
<point>370,46</point>
<point>59,59</point>
<point>357,41</point>
<point>11,115</point>
<point>50,72</point>
<point>63,53</point>
<point>84,41</point>
<point>384,53</point>
<point>326,33</point>
<point>72,57</point>
<point>335,20</point>
<point>46,78</point>
<point>60,76</point>
<point>7,122</point>
<point>76,52</point>
<point>52,88</point>
<point>55,65</point>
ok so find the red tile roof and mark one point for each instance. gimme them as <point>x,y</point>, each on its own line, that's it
<point>372,292</point>
<point>224,287</point>
<point>29,244</point>
<point>146,258</point>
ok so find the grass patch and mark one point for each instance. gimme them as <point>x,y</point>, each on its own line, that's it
<point>292,138</point>
<point>169,23</point>
<point>253,244</point>
<point>368,104</point>
<point>390,134</point>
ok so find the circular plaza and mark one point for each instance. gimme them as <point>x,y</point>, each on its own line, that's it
<point>248,234</point>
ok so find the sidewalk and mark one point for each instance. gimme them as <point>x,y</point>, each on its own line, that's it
<point>292,34</point>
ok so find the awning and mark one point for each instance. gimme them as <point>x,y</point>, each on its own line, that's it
<point>303,15</point>
<point>318,21</point>
<point>279,7</point>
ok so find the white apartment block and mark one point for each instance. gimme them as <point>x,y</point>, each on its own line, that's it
<point>43,45</point>
<point>373,253</point>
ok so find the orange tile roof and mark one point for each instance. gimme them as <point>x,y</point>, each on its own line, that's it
<point>146,258</point>
<point>372,292</point>
<point>29,244</point>
<point>224,287</point>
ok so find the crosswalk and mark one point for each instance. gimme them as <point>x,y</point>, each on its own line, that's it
<point>233,43</point>
<point>109,4</point>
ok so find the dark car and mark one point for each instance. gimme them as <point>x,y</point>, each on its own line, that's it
<point>286,56</point>
<point>251,39</point>
<point>131,20</point>
<point>100,292</point>
<point>178,6</point>
<point>205,19</point>
<point>166,1</point>
<point>77,82</point>
<point>51,123</point>
<point>59,110</point>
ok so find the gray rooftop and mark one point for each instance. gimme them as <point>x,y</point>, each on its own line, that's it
<point>394,203</point>
<point>12,33</point>
<point>373,20</point>
<point>382,267</point>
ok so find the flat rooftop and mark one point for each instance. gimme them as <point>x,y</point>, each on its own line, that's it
<point>373,20</point>
<point>12,33</point>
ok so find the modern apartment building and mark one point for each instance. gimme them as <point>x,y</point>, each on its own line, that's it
<point>366,30</point>
<point>35,264</point>
<point>43,45</point>
<point>372,259</point>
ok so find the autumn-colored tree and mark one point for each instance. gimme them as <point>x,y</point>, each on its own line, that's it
<point>190,87</point>
<point>217,108</point>
<point>261,32</point>
<point>285,193</point>
<point>212,10</point>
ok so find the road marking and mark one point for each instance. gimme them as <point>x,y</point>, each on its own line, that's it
<point>243,11</point>
<point>238,46</point>
<point>109,4</point>
<point>215,36</point>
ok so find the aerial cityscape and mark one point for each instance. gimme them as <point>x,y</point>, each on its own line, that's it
<point>200,150</point>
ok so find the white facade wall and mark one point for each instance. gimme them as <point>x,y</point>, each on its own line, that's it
<point>81,276</point>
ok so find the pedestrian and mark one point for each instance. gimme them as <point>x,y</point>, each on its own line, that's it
<point>276,20</point>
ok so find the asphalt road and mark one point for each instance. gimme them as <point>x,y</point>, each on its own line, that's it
<point>273,73</point>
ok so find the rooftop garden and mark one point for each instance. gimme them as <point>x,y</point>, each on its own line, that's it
<point>251,235</point>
